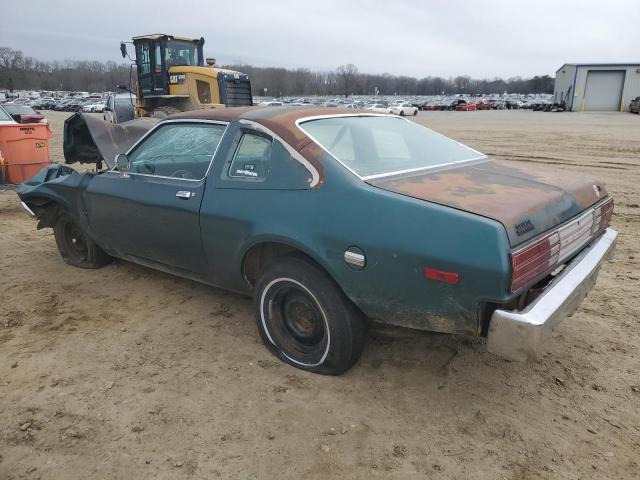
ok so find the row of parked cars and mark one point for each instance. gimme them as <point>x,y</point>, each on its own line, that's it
<point>63,104</point>
<point>410,106</point>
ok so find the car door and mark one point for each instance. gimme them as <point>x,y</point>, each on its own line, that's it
<point>149,213</point>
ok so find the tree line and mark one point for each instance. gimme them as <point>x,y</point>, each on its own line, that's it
<point>18,71</point>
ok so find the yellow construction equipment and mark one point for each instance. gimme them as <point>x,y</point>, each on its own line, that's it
<point>174,77</point>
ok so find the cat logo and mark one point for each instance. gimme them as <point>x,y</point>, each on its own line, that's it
<point>177,79</point>
<point>41,144</point>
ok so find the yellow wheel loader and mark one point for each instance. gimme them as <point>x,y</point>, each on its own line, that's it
<point>173,77</point>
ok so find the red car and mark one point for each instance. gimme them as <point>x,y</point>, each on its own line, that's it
<point>23,113</point>
<point>465,106</point>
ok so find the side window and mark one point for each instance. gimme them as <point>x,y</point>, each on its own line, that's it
<point>251,159</point>
<point>158,59</point>
<point>204,91</point>
<point>177,150</point>
<point>142,52</point>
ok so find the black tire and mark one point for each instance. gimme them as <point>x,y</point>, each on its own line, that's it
<point>75,247</point>
<point>305,319</point>
<point>162,112</point>
<point>402,113</point>
<point>415,112</point>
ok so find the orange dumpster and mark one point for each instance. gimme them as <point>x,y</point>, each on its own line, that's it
<point>24,148</point>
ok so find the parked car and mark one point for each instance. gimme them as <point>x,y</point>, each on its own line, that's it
<point>403,109</point>
<point>464,106</point>
<point>430,106</point>
<point>380,108</point>
<point>332,219</point>
<point>23,114</point>
<point>94,106</point>
<point>120,107</point>
<point>634,106</point>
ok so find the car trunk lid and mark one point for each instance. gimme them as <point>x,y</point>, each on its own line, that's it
<point>527,199</point>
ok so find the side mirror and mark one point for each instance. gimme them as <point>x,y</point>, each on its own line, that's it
<point>122,163</point>
<point>123,49</point>
<point>107,108</point>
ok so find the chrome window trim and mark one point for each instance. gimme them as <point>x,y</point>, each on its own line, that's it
<point>315,175</point>
<point>480,156</point>
<point>159,125</point>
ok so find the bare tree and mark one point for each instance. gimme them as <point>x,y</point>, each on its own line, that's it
<point>347,73</point>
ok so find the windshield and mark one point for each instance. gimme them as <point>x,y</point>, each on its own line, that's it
<point>374,146</point>
<point>181,53</point>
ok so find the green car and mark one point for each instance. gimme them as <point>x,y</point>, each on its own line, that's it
<point>332,219</point>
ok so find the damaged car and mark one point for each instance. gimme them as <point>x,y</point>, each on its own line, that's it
<point>331,220</point>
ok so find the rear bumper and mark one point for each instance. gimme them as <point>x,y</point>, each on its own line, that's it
<point>518,335</point>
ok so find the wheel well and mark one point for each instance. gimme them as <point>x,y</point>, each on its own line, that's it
<point>263,254</point>
<point>46,210</point>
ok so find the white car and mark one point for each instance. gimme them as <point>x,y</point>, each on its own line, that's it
<point>379,107</point>
<point>403,109</point>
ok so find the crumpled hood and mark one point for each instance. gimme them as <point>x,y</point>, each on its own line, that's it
<point>527,199</point>
<point>89,139</point>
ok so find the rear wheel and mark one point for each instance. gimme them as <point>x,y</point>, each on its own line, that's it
<point>306,320</point>
<point>415,112</point>
<point>402,113</point>
<point>75,247</point>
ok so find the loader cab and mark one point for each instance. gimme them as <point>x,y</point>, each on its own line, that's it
<point>155,54</point>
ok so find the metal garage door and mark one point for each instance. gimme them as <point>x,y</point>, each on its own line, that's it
<point>603,90</point>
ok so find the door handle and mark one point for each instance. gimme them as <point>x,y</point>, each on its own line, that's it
<point>185,194</point>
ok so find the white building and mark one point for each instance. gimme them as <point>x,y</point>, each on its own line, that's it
<point>597,86</point>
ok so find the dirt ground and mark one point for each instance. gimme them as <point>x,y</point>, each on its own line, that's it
<point>129,373</point>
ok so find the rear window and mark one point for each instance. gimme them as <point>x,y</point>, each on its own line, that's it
<point>19,110</point>
<point>4,116</point>
<point>377,146</point>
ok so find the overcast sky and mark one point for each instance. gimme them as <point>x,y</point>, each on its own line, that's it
<point>418,38</point>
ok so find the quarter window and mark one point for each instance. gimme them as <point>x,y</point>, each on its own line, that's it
<point>177,150</point>
<point>251,160</point>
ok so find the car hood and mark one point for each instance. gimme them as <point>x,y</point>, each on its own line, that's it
<point>89,139</point>
<point>526,198</point>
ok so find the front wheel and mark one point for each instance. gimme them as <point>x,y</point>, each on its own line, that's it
<point>402,113</point>
<point>306,320</point>
<point>75,247</point>
<point>415,112</point>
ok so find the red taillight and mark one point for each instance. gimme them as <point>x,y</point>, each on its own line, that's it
<point>534,260</point>
<point>603,214</point>
<point>542,256</point>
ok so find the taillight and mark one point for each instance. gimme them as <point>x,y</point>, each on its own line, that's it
<point>534,260</point>
<point>603,214</point>
<point>542,256</point>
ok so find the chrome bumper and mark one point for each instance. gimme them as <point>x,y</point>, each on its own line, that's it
<point>26,208</point>
<point>518,335</point>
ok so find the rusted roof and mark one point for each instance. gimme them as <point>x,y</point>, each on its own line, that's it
<point>264,115</point>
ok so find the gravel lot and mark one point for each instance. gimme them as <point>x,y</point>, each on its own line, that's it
<point>130,373</point>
